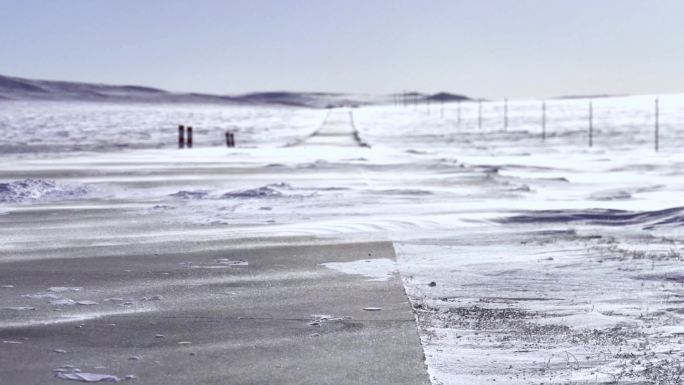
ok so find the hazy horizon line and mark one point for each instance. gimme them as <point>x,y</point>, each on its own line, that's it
<point>577,95</point>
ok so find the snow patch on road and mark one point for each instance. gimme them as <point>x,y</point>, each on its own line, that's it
<point>378,269</point>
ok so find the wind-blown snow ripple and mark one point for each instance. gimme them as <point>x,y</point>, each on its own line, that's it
<point>273,190</point>
<point>185,194</point>
<point>606,217</point>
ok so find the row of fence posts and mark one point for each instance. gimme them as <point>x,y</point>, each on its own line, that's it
<point>413,98</point>
<point>185,137</point>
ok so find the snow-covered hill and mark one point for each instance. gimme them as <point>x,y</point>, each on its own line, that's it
<point>14,88</point>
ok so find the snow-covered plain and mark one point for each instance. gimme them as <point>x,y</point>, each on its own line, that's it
<point>56,126</point>
<point>527,261</point>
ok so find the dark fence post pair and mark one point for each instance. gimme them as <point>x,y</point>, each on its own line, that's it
<point>184,132</point>
<point>230,139</point>
<point>185,137</point>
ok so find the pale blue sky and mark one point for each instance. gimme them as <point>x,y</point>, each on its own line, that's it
<point>484,48</point>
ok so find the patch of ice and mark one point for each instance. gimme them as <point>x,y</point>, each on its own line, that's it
<point>224,261</point>
<point>19,308</point>
<point>41,296</point>
<point>153,298</point>
<point>61,289</point>
<point>63,302</point>
<point>378,269</point>
<point>85,377</point>
<point>70,318</point>
<point>319,319</point>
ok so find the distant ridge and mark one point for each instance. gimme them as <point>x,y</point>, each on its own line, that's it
<point>440,96</point>
<point>447,97</point>
<point>15,88</point>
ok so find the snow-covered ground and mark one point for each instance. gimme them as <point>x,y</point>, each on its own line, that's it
<point>527,261</point>
<point>54,126</point>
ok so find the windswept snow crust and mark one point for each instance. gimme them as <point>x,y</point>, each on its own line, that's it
<point>37,190</point>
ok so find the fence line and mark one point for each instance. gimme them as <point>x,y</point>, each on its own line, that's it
<point>414,97</point>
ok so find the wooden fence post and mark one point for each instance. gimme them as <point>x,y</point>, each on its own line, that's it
<point>181,136</point>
